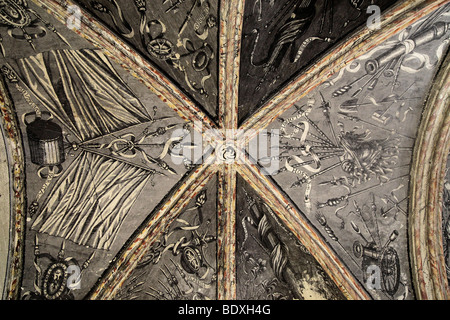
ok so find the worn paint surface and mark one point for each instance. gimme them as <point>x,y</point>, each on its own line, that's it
<point>337,207</point>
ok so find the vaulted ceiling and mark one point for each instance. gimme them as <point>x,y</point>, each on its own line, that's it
<point>206,149</point>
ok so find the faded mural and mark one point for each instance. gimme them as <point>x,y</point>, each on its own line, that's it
<point>180,37</point>
<point>101,152</point>
<point>272,264</point>
<point>181,265</point>
<point>346,152</point>
<point>96,144</point>
<point>281,38</point>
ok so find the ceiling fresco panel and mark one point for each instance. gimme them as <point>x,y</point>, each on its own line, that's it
<point>181,264</point>
<point>281,38</point>
<point>346,153</point>
<point>129,171</point>
<point>179,37</point>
